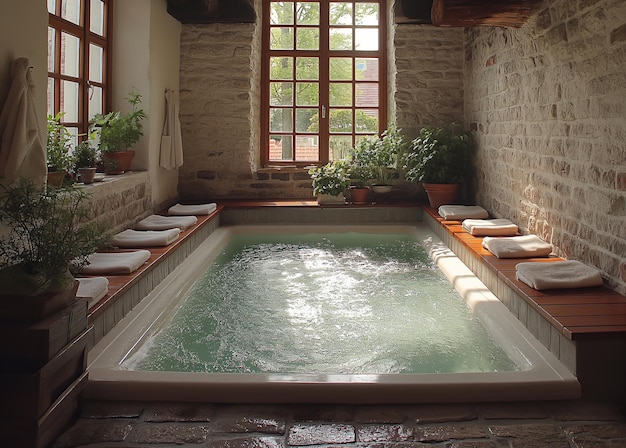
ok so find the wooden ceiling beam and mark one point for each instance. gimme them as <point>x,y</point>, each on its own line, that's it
<point>466,13</point>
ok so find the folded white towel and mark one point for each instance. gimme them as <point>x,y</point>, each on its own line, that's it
<point>109,263</point>
<point>92,288</point>
<point>489,227</point>
<point>159,222</point>
<point>145,238</point>
<point>461,212</point>
<point>526,246</point>
<point>186,210</point>
<point>557,274</point>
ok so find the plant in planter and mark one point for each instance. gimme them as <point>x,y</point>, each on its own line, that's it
<point>360,176</point>
<point>118,133</point>
<point>329,181</point>
<point>439,158</point>
<point>45,238</point>
<point>59,158</point>
<point>86,155</point>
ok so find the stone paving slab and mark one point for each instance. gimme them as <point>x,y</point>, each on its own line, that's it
<point>567,424</point>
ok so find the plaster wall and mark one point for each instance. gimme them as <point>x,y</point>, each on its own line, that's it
<point>547,103</point>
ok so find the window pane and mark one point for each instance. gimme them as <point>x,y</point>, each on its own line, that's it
<point>366,39</point>
<point>52,38</point>
<point>70,10</point>
<point>340,69</point>
<point>366,69</point>
<point>340,39</point>
<point>340,94</point>
<point>50,96</point>
<point>281,147</point>
<point>281,39</point>
<point>306,120</point>
<point>366,94</point>
<point>281,120</point>
<point>308,39</point>
<point>340,146</point>
<point>70,46</point>
<point>96,63</point>
<point>340,120</point>
<point>281,13</point>
<point>52,6</point>
<point>307,13</point>
<point>307,94</point>
<point>281,93</point>
<point>307,68</point>
<point>366,14</point>
<point>307,147</point>
<point>366,120</point>
<point>96,101</point>
<point>69,101</point>
<point>340,13</point>
<point>281,68</point>
<point>96,17</point>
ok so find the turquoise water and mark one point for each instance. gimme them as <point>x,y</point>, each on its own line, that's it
<point>345,303</point>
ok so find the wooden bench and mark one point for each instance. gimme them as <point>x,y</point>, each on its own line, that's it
<point>584,327</point>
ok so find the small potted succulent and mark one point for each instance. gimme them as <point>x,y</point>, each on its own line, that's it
<point>329,182</point>
<point>118,133</point>
<point>439,158</point>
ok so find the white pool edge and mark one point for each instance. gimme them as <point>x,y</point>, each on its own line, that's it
<point>542,377</point>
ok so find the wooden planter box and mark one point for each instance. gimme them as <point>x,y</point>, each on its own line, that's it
<point>30,395</point>
<point>26,347</point>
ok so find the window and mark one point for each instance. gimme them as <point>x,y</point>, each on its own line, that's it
<point>78,55</point>
<point>324,78</point>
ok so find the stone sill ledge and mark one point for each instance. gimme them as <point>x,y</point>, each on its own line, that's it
<point>115,183</point>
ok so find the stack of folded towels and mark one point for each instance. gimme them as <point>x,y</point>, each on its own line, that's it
<point>523,246</point>
<point>113,263</point>
<point>159,222</point>
<point>186,210</point>
<point>490,227</point>
<point>557,274</point>
<point>461,212</point>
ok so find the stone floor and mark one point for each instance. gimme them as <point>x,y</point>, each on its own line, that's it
<point>564,424</point>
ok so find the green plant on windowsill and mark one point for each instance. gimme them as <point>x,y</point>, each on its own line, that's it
<point>330,179</point>
<point>59,157</point>
<point>380,154</point>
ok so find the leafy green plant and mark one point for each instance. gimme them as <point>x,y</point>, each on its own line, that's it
<point>58,145</point>
<point>86,154</point>
<point>118,131</point>
<point>331,178</point>
<point>439,155</point>
<point>380,154</point>
<point>46,237</point>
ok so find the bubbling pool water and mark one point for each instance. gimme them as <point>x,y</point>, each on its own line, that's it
<point>344,303</point>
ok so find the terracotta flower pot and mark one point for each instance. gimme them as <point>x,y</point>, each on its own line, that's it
<point>55,178</point>
<point>117,162</point>
<point>87,174</point>
<point>442,194</point>
<point>359,195</point>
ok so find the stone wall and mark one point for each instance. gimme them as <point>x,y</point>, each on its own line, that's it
<point>220,101</point>
<point>548,106</point>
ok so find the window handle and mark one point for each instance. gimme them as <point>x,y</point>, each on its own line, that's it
<point>323,111</point>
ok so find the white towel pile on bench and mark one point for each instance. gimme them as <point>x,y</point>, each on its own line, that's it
<point>557,274</point>
<point>159,222</point>
<point>186,210</point>
<point>145,238</point>
<point>461,212</point>
<point>92,288</point>
<point>490,227</point>
<point>111,263</point>
<point>526,246</point>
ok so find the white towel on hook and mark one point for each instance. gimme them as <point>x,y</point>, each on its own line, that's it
<point>22,138</point>
<point>489,227</point>
<point>460,212</point>
<point>171,141</point>
<point>525,246</point>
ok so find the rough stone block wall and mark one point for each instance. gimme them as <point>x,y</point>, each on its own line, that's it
<point>547,102</point>
<point>220,101</point>
<point>429,76</point>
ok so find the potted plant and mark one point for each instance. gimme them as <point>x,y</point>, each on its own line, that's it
<point>45,238</point>
<point>360,176</point>
<point>59,158</point>
<point>86,155</point>
<point>439,158</point>
<point>329,181</point>
<point>118,133</point>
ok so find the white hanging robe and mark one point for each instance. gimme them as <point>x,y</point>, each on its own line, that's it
<point>171,140</point>
<point>22,142</point>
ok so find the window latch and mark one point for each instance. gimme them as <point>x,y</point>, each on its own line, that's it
<point>323,111</point>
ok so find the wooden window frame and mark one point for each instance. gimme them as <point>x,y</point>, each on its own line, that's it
<point>325,55</point>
